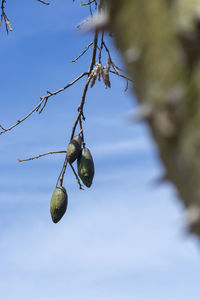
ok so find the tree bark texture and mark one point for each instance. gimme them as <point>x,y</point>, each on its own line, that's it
<point>160,43</point>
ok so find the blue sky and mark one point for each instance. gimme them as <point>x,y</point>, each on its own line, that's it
<point>122,239</point>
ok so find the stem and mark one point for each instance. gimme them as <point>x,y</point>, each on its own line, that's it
<point>80,109</point>
<point>40,155</point>
<point>44,100</point>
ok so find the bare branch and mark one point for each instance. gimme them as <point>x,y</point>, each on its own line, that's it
<point>4,17</point>
<point>121,75</point>
<point>86,49</point>
<point>77,178</point>
<point>126,88</point>
<point>23,119</point>
<point>96,70</point>
<point>46,3</point>
<point>80,108</point>
<point>89,3</point>
<point>44,100</point>
<point>40,155</point>
<point>101,47</point>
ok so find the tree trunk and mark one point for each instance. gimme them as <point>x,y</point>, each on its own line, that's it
<point>160,43</point>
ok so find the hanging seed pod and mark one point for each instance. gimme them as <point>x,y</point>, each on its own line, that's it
<point>73,149</point>
<point>85,166</point>
<point>59,202</point>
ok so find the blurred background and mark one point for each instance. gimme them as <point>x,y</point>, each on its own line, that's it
<point>125,237</point>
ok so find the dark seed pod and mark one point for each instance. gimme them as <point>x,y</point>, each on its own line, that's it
<point>59,202</point>
<point>73,149</point>
<point>85,166</point>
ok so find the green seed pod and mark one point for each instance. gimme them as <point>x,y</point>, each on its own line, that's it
<point>59,202</point>
<point>74,149</point>
<point>85,166</point>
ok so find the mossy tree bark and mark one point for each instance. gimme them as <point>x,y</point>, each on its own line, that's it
<point>160,43</point>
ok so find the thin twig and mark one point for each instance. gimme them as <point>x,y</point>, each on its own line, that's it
<point>4,17</point>
<point>88,3</point>
<point>111,60</point>
<point>42,100</point>
<point>90,74</point>
<point>46,3</point>
<point>121,75</point>
<point>41,109</point>
<point>82,52</point>
<point>23,119</point>
<point>80,109</point>
<point>77,178</point>
<point>40,155</point>
<point>101,47</point>
<point>126,88</point>
<point>81,130</point>
<point>90,6</point>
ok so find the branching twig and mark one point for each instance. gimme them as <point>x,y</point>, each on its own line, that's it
<point>80,108</point>
<point>115,68</point>
<point>80,115</point>
<point>96,70</point>
<point>111,60</point>
<point>4,17</point>
<point>44,100</point>
<point>23,119</point>
<point>89,3</point>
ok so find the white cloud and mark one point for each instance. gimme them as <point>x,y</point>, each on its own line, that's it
<point>101,237</point>
<point>124,147</point>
